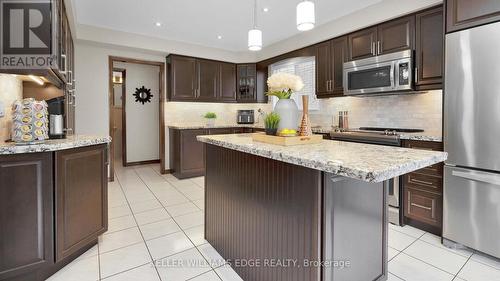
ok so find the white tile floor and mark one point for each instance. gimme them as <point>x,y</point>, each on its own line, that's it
<point>156,221</point>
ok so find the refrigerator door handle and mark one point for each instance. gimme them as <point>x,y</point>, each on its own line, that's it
<point>487,178</point>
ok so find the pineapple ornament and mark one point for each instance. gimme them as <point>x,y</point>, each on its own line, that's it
<point>305,125</point>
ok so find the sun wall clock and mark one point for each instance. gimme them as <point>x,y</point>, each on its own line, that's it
<point>143,95</point>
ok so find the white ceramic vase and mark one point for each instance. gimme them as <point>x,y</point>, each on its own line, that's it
<point>289,114</point>
<point>210,122</point>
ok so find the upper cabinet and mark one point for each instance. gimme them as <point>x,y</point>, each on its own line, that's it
<point>362,44</point>
<point>330,58</point>
<point>392,36</point>
<point>227,81</point>
<point>463,14</point>
<point>208,80</point>
<point>396,35</point>
<point>183,78</point>
<point>202,80</point>
<point>429,49</point>
<point>247,82</point>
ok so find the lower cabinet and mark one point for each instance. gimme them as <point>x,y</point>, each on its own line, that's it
<point>81,201</point>
<point>187,154</point>
<point>423,193</point>
<point>53,206</point>
<point>26,212</point>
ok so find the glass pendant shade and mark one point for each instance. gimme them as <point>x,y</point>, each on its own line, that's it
<point>305,16</point>
<point>254,40</point>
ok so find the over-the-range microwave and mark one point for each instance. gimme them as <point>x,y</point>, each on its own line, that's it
<point>384,74</point>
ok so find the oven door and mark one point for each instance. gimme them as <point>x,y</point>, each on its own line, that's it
<point>373,78</point>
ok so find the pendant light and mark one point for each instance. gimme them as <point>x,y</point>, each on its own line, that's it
<point>305,15</point>
<point>255,35</point>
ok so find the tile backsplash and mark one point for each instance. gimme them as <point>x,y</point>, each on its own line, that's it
<point>192,112</point>
<point>420,111</point>
<point>11,89</point>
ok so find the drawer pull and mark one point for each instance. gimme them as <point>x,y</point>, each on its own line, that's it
<point>421,206</point>
<point>422,182</point>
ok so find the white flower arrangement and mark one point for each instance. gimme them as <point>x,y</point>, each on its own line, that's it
<point>282,85</point>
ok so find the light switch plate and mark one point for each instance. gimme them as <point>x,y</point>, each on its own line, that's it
<point>2,109</point>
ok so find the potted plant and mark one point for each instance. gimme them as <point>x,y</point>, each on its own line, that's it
<point>283,85</point>
<point>271,123</point>
<point>210,116</point>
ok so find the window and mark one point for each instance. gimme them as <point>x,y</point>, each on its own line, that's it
<point>305,68</point>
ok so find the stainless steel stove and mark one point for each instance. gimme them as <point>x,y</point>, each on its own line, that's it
<point>373,135</point>
<point>381,136</point>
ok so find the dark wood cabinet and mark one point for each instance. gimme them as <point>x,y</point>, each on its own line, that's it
<point>81,198</point>
<point>392,36</point>
<point>53,206</point>
<point>330,58</point>
<point>220,131</point>
<point>463,14</point>
<point>227,82</point>
<point>396,35</point>
<point>187,154</point>
<point>246,89</point>
<point>183,78</point>
<point>429,49</point>
<point>323,69</point>
<point>208,80</point>
<point>423,192</point>
<point>362,44</point>
<point>200,80</point>
<point>26,212</point>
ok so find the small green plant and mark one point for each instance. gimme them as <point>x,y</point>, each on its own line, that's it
<point>210,115</point>
<point>280,94</point>
<point>272,120</point>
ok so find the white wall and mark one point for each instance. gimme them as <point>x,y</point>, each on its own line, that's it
<point>142,120</point>
<point>92,86</point>
<point>11,89</point>
<point>374,14</point>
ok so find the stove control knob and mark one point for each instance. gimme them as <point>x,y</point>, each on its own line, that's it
<point>386,132</point>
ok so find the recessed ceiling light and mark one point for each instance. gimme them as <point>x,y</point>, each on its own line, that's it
<point>158,23</point>
<point>266,10</point>
<point>219,37</point>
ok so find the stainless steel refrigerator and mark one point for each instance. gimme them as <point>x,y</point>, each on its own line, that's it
<point>472,139</point>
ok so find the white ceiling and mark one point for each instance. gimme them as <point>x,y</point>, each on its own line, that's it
<point>201,21</point>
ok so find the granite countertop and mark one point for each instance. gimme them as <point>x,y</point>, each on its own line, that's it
<point>366,162</point>
<point>53,145</point>
<point>186,126</point>
<point>422,136</point>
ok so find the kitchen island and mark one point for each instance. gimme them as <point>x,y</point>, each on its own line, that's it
<point>299,213</point>
<point>53,204</point>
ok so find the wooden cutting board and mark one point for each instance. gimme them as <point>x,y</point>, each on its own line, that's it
<point>286,141</point>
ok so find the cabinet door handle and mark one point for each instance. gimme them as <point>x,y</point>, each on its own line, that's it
<point>422,182</point>
<point>379,51</point>
<point>416,74</point>
<point>373,48</point>
<point>421,206</point>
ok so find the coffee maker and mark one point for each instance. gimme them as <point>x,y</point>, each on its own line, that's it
<point>56,118</point>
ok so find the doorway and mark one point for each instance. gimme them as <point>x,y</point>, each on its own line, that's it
<point>136,113</point>
<point>119,87</point>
